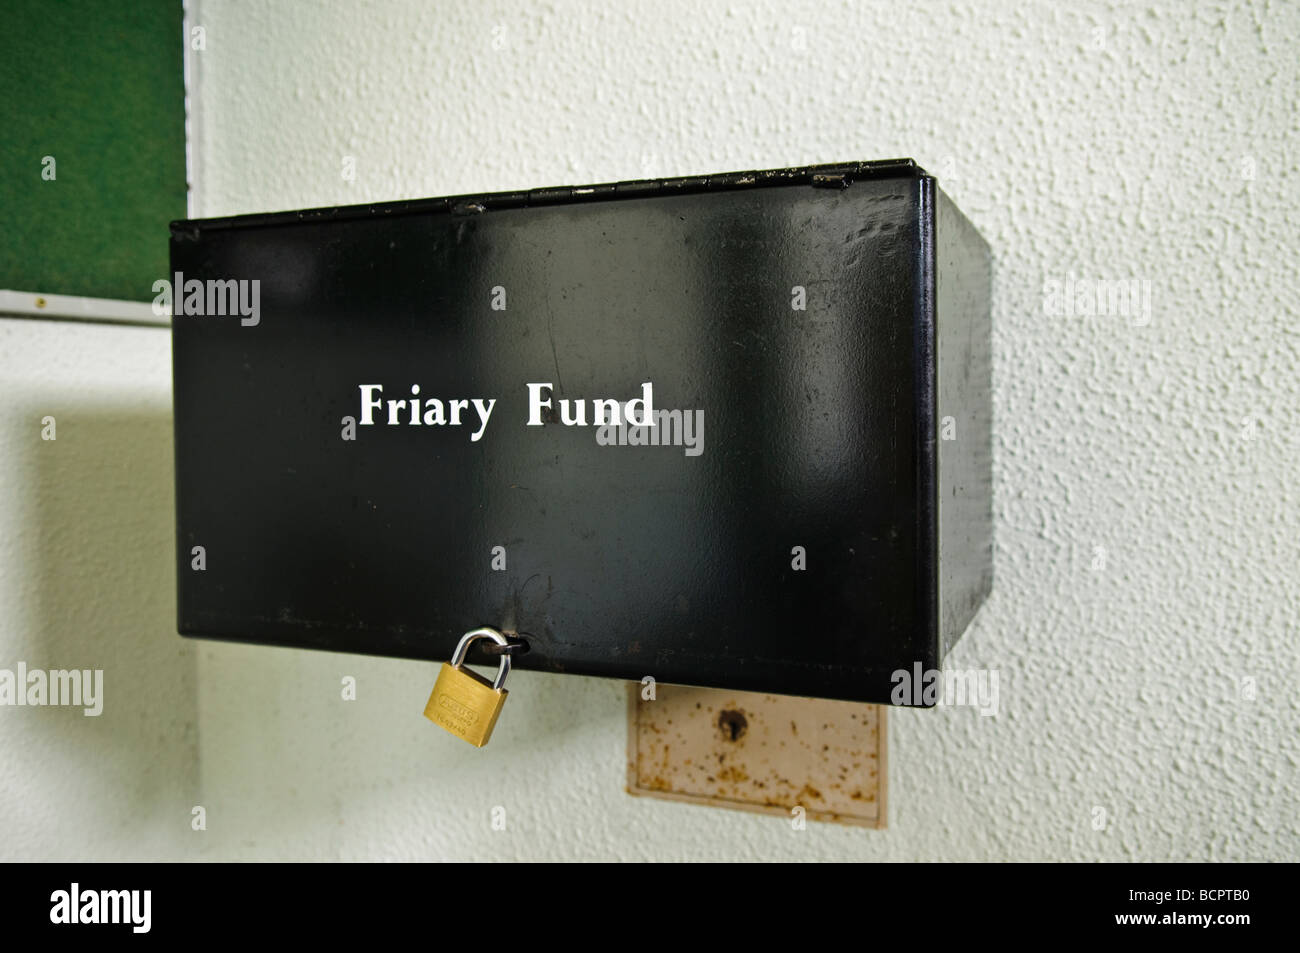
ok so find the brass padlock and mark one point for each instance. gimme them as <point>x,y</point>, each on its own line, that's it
<point>465,703</point>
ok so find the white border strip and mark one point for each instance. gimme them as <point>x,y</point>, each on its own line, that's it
<point>31,304</point>
<point>193,152</point>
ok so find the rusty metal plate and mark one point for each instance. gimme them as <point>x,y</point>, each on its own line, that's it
<point>759,752</point>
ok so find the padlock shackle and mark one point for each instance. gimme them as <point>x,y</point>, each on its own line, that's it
<point>469,638</point>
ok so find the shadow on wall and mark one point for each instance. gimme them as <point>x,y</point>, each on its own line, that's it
<point>99,511</point>
<point>283,765</point>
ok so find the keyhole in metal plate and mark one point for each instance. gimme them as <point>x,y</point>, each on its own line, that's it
<point>733,724</point>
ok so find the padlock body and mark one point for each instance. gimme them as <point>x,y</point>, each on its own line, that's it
<point>465,704</point>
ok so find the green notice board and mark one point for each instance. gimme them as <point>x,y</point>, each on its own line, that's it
<point>98,87</point>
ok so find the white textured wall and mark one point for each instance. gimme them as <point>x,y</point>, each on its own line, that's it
<point>1104,141</point>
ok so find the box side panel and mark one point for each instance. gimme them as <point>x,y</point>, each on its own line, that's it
<point>963,297</point>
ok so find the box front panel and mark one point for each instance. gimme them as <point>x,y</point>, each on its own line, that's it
<point>766,539</point>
